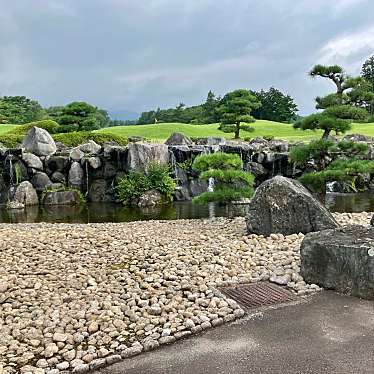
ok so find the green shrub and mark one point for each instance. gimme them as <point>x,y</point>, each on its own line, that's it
<point>73,139</point>
<point>269,138</point>
<point>231,183</point>
<point>135,184</point>
<point>11,140</point>
<point>51,126</point>
<point>218,160</point>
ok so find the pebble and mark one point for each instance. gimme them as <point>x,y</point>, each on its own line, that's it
<point>74,297</point>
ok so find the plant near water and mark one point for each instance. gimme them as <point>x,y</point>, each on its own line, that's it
<point>231,183</point>
<point>132,186</point>
<point>82,199</point>
<point>346,172</point>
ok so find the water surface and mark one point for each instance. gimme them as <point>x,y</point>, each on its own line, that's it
<point>109,212</point>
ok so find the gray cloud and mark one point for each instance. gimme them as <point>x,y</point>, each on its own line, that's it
<point>127,54</point>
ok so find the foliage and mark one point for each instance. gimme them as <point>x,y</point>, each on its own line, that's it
<point>367,71</point>
<point>275,106</point>
<point>79,116</point>
<point>20,110</point>
<point>235,108</point>
<point>323,152</point>
<point>340,109</point>
<point>11,140</point>
<point>210,108</point>
<point>343,171</point>
<point>218,160</point>
<point>135,184</point>
<point>51,126</point>
<point>73,139</point>
<point>231,183</point>
<point>82,199</point>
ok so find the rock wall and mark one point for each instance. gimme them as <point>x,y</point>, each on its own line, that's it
<point>95,169</point>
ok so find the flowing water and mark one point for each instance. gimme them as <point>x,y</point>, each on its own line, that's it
<point>107,212</point>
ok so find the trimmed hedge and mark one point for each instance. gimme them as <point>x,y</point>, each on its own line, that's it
<point>73,139</point>
<point>51,126</point>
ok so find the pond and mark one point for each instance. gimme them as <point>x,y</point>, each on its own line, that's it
<point>108,212</point>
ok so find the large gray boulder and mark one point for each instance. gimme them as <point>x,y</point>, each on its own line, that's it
<point>32,161</point>
<point>178,139</point>
<point>39,142</point>
<point>25,194</point>
<point>141,155</point>
<point>340,259</point>
<point>284,206</point>
<point>91,147</point>
<point>76,175</point>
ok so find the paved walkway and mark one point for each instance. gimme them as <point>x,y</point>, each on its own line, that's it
<point>330,334</point>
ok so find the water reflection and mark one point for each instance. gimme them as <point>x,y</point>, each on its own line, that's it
<point>107,212</point>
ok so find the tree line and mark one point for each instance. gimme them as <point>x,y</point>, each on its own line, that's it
<point>275,106</point>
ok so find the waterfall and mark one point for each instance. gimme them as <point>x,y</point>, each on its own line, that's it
<point>11,170</point>
<point>210,185</point>
<point>330,187</point>
<point>86,177</point>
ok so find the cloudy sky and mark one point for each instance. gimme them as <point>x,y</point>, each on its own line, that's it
<point>140,54</point>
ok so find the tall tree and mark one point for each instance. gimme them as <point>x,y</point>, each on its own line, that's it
<point>20,110</point>
<point>79,116</point>
<point>210,108</point>
<point>340,109</point>
<point>275,106</point>
<point>234,109</point>
<point>367,71</point>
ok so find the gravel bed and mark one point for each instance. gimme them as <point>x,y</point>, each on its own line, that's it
<point>74,298</point>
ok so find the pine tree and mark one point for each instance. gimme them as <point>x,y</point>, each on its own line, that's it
<point>231,183</point>
<point>340,109</point>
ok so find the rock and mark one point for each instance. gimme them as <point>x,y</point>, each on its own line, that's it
<point>358,138</point>
<point>178,139</point>
<point>215,140</point>
<point>150,198</point>
<point>372,220</point>
<point>135,139</point>
<point>97,190</point>
<point>91,148</point>
<point>150,344</point>
<point>285,206</point>
<point>278,145</point>
<point>76,175</point>
<point>61,198</point>
<point>40,181</point>
<point>76,154</point>
<point>32,161</point>
<point>57,163</point>
<point>25,194</point>
<point>14,205</point>
<point>140,155</point>
<point>341,259</point>
<point>58,177</point>
<point>39,142</point>
<point>94,162</point>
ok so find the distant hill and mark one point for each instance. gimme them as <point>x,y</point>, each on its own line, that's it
<point>123,114</point>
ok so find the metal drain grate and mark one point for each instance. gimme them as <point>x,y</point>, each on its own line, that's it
<point>258,295</point>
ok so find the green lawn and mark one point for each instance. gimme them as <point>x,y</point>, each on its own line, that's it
<point>262,128</point>
<point>5,128</point>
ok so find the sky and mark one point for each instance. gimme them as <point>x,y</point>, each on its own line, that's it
<point>142,54</point>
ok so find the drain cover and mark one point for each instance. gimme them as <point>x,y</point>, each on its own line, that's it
<point>258,295</point>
